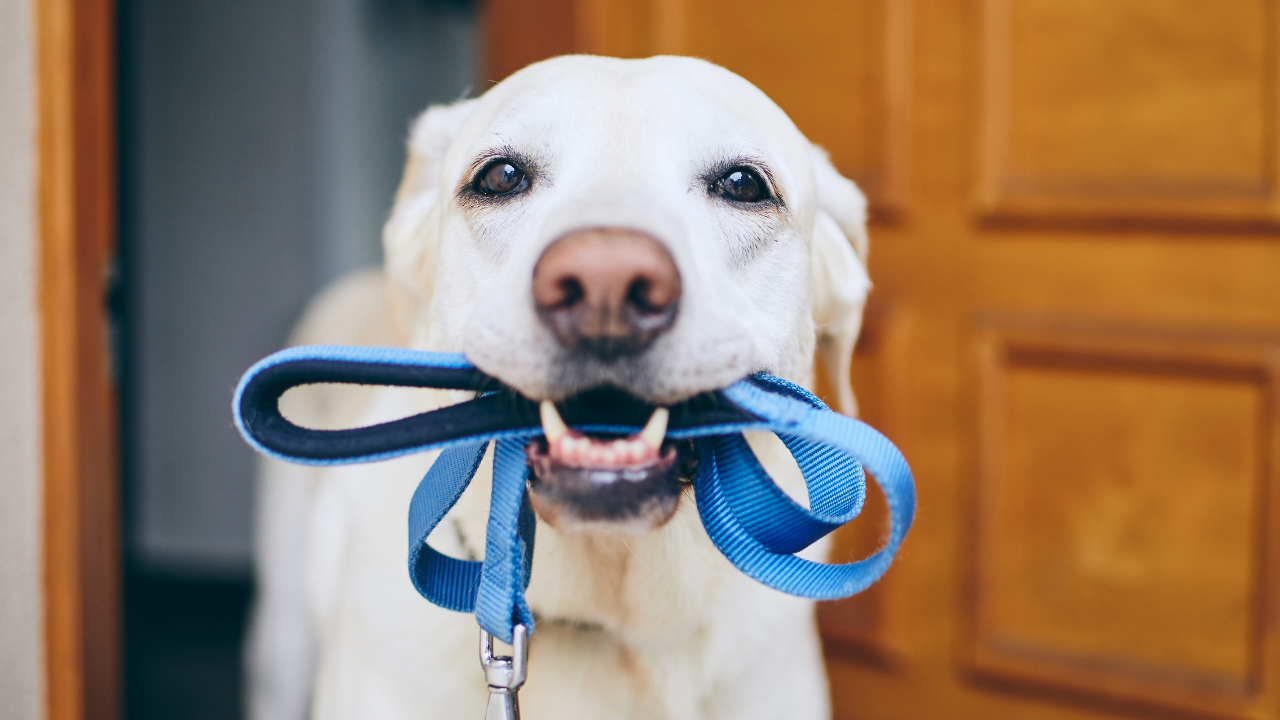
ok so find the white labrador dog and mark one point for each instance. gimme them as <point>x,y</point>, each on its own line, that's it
<point>658,226</point>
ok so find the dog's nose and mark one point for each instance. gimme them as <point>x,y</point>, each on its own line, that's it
<point>607,292</point>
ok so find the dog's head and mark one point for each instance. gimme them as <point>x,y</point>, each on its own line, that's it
<point>655,227</point>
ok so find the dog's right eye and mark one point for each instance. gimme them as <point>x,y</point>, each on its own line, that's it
<point>741,185</point>
<point>501,177</point>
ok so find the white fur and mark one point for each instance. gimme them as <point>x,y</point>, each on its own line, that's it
<point>651,626</point>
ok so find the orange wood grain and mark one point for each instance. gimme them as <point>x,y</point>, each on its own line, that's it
<point>514,33</point>
<point>1121,517</point>
<point>1175,126</point>
<point>77,215</point>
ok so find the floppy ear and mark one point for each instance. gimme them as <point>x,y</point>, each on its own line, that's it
<point>839,281</point>
<point>411,235</point>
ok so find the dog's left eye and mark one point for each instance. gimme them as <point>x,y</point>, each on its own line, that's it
<point>501,177</point>
<point>741,185</point>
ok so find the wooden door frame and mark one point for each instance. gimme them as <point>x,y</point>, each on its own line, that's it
<point>75,64</point>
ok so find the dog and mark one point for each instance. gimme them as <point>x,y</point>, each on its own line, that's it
<point>657,226</point>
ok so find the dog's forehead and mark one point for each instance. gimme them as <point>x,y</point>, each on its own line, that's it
<point>663,103</point>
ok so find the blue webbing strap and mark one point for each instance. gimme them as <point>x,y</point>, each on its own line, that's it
<point>722,466</point>
<point>448,582</point>
<point>508,546</point>
<point>748,518</point>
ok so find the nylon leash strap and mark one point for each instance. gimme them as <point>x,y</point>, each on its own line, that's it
<point>748,518</point>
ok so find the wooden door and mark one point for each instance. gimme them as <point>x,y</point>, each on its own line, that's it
<point>1074,334</point>
<point>75,85</point>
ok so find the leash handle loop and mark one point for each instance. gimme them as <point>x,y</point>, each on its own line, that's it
<point>748,518</point>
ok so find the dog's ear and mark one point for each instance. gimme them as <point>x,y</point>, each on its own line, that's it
<point>839,278</point>
<point>410,237</point>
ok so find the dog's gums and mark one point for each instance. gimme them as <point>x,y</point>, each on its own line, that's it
<point>633,483</point>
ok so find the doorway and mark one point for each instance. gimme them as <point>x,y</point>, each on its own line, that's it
<point>260,147</point>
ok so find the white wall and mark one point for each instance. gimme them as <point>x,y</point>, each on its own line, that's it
<point>21,661</point>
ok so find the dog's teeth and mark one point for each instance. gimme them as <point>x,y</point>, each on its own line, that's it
<point>552,426</point>
<point>637,451</point>
<point>656,429</point>
<point>571,449</point>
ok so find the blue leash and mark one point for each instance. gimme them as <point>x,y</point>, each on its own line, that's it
<point>748,518</point>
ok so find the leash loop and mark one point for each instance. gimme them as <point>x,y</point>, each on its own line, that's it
<point>747,517</point>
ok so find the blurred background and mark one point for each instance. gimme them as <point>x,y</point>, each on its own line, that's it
<point>1074,334</point>
<point>260,146</point>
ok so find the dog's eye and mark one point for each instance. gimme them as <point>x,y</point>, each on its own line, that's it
<point>742,185</point>
<point>501,177</point>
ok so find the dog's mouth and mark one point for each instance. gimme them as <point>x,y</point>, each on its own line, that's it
<point>630,483</point>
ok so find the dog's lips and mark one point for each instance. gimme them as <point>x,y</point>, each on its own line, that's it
<point>632,498</point>
<point>551,471</point>
<point>625,483</point>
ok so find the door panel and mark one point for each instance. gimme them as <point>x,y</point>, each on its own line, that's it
<point>1119,515</point>
<point>1074,337</point>
<point>1133,109</point>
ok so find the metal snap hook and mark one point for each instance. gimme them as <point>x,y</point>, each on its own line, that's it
<point>504,675</point>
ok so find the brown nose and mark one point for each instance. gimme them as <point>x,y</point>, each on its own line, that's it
<point>607,292</point>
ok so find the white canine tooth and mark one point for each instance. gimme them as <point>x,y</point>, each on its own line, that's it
<point>552,426</point>
<point>656,429</point>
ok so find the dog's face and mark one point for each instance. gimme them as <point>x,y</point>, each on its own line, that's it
<point>655,227</point>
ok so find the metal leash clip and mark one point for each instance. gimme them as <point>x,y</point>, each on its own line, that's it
<point>505,675</point>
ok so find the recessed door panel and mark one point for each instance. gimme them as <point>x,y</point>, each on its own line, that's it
<point>1120,520</point>
<point>1137,108</point>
